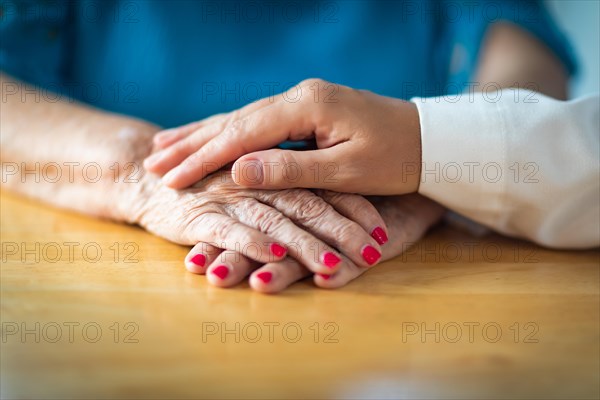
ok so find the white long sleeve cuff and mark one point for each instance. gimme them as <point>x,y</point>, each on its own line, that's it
<point>516,161</point>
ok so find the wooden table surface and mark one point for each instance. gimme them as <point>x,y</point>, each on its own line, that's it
<point>91,309</point>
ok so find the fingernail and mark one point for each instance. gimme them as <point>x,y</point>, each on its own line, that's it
<point>370,254</point>
<point>265,276</point>
<point>326,277</point>
<point>199,259</point>
<point>251,172</point>
<point>277,250</point>
<point>379,235</point>
<point>330,260</point>
<point>221,271</point>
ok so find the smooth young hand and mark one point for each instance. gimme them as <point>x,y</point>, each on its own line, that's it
<point>367,144</point>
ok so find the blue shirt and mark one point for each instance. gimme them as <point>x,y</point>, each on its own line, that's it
<point>172,62</point>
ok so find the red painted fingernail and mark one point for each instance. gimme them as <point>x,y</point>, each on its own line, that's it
<point>265,276</point>
<point>379,235</point>
<point>199,259</point>
<point>370,254</point>
<point>330,260</point>
<point>221,271</point>
<point>326,277</point>
<point>277,249</point>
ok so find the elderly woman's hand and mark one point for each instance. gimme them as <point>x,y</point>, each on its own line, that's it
<point>262,226</point>
<point>407,217</point>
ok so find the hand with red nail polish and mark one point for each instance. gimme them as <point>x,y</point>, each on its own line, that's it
<point>367,143</point>
<point>265,277</point>
<point>370,255</point>
<point>277,250</point>
<point>379,235</point>
<point>330,260</point>
<point>221,271</point>
<point>407,218</point>
<point>199,260</point>
<point>266,227</point>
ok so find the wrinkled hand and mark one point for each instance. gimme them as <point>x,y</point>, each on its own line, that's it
<point>262,226</point>
<point>368,144</point>
<point>407,217</point>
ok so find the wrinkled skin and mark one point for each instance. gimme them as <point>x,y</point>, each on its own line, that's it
<point>233,226</point>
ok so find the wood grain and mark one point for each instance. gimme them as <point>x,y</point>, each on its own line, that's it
<point>456,317</point>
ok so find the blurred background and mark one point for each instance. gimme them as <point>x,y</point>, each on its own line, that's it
<point>580,20</point>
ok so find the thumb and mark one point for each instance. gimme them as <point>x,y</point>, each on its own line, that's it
<point>286,169</point>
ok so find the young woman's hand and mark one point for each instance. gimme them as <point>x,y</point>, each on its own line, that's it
<point>367,143</point>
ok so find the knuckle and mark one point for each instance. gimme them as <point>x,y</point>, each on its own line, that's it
<point>305,247</point>
<point>311,90</point>
<point>195,224</point>
<point>346,232</point>
<point>313,81</point>
<point>357,205</point>
<point>222,230</point>
<point>234,116</point>
<point>230,137</point>
<point>354,204</point>
<point>309,209</point>
<point>268,220</point>
<point>235,127</point>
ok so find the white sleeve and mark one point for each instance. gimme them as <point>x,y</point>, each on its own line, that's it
<point>516,161</point>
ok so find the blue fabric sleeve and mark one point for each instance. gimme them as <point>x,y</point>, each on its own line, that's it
<point>33,40</point>
<point>464,32</point>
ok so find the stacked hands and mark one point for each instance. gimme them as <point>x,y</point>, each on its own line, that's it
<point>253,220</point>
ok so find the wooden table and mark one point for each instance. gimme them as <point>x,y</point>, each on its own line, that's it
<point>456,317</point>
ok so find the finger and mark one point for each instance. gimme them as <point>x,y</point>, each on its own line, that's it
<point>409,217</point>
<point>229,234</point>
<point>319,218</point>
<point>341,278</point>
<point>166,159</point>
<point>200,257</point>
<point>287,169</point>
<point>313,253</point>
<point>198,133</point>
<point>169,136</point>
<point>250,108</point>
<point>360,210</point>
<point>260,130</point>
<point>274,277</point>
<point>229,269</point>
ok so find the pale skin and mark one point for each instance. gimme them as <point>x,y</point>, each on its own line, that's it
<point>341,221</point>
